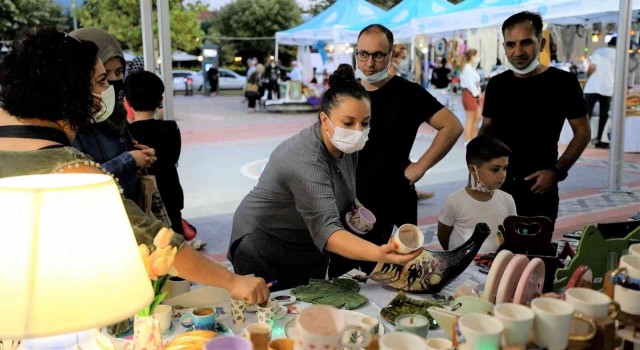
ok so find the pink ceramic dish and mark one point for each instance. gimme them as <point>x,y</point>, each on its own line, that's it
<point>498,267</point>
<point>510,279</point>
<point>531,282</point>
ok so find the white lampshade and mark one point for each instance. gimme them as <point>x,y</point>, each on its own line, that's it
<point>68,257</point>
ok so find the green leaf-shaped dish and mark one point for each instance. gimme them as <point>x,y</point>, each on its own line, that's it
<point>402,304</point>
<point>337,292</point>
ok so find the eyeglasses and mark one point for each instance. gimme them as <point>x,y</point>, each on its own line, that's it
<point>377,56</point>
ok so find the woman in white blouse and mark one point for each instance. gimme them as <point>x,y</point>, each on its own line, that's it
<point>471,93</point>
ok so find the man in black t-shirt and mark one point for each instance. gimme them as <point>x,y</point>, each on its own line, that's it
<point>525,107</point>
<point>441,75</point>
<point>386,176</point>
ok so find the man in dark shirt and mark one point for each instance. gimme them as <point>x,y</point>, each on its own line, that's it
<point>441,75</point>
<point>386,177</point>
<point>525,107</point>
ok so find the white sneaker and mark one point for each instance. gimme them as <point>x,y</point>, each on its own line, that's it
<point>197,244</point>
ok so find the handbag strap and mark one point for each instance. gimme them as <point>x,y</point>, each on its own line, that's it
<point>34,132</point>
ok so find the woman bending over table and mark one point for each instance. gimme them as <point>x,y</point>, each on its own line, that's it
<point>286,226</point>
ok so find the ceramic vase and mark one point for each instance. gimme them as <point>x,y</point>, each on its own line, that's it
<point>146,333</point>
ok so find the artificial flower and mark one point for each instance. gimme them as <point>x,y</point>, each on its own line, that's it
<point>159,265</point>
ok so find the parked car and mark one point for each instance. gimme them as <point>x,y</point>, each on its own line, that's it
<point>229,80</point>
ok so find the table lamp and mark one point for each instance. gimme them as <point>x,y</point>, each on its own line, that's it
<point>68,258</point>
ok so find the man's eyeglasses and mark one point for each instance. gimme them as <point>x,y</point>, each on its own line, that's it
<point>377,56</point>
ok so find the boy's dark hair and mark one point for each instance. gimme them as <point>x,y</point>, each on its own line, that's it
<point>524,16</point>
<point>484,148</point>
<point>342,83</point>
<point>143,91</point>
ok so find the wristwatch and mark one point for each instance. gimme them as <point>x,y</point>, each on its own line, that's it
<point>560,174</point>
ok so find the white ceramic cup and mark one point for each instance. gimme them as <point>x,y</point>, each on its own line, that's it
<point>517,321</point>
<point>628,299</point>
<point>591,303</point>
<point>632,264</point>
<point>370,325</point>
<point>408,238</point>
<point>163,314</point>
<point>267,313</point>
<point>401,341</point>
<point>238,311</point>
<point>480,331</point>
<point>469,303</point>
<point>552,325</point>
<point>324,327</point>
<point>362,219</point>
<point>439,344</point>
<point>634,249</point>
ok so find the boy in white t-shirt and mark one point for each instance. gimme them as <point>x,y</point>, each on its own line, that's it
<point>481,200</point>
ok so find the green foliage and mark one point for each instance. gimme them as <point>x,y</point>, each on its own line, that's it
<point>337,292</point>
<point>18,15</point>
<point>122,19</point>
<point>253,19</point>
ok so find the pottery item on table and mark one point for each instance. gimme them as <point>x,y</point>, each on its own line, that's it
<point>530,283</point>
<point>402,304</point>
<point>592,251</point>
<point>478,331</point>
<point>582,277</point>
<point>498,266</point>
<point>284,300</point>
<point>338,292</point>
<point>199,319</point>
<point>401,341</point>
<point>325,327</point>
<point>446,319</point>
<point>238,311</point>
<point>510,279</point>
<point>432,270</point>
<point>413,323</point>
<point>439,344</point>
<point>469,303</point>
<point>552,324</point>
<point>517,321</point>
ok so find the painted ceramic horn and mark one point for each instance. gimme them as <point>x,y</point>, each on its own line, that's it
<point>432,270</point>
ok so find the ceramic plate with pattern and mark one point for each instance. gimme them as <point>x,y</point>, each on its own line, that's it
<point>510,279</point>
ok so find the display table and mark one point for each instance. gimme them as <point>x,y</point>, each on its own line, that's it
<point>379,296</point>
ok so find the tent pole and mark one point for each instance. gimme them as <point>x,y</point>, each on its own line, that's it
<point>276,55</point>
<point>165,56</point>
<point>616,161</point>
<point>146,22</point>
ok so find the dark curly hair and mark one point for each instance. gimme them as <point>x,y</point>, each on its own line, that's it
<point>342,83</point>
<point>143,91</point>
<point>47,75</point>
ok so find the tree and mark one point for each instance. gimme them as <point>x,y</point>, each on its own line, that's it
<point>255,19</point>
<point>18,15</point>
<point>122,19</point>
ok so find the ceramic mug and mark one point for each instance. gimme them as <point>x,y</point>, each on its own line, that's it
<point>478,331</point>
<point>163,314</point>
<point>553,321</point>
<point>228,342</point>
<point>469,303</point>
<point>370,325</point>
<point>626,291</point>
<point>632,264</point>
<point>281,344</point>
<point>591,303</point>
<point>634,249</point>
<point>517,321</point>
<point>401,340</point>
<point>259,334</point>
<point>439,344</point>
<point>238,311</point>
<point>408,238</point>
<point>267,313</point>
<point>362,219</point>
<point>413,323</point>
<point>199,319</point>
<point>324,327</point>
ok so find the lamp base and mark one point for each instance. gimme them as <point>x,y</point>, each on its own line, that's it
<point>85,340</point>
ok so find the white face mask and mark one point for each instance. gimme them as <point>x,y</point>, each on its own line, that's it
<point>403,66</point>
<point>476,183</point>
<point>348,140</point>
<point>374,78</point>
<point>107,103</point>
<point>533,65</point>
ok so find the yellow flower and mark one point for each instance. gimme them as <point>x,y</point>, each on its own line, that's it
<point>144,254</point>
<point>163,238</point>
<point>161,260</point>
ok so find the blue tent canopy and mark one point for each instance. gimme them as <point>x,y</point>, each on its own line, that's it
<point>326,25</point>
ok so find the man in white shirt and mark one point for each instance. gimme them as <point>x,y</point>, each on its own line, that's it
<point>599,87</point>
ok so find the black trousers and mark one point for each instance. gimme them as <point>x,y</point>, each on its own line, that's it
<point>605,103</point>
<point>529,203</point>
